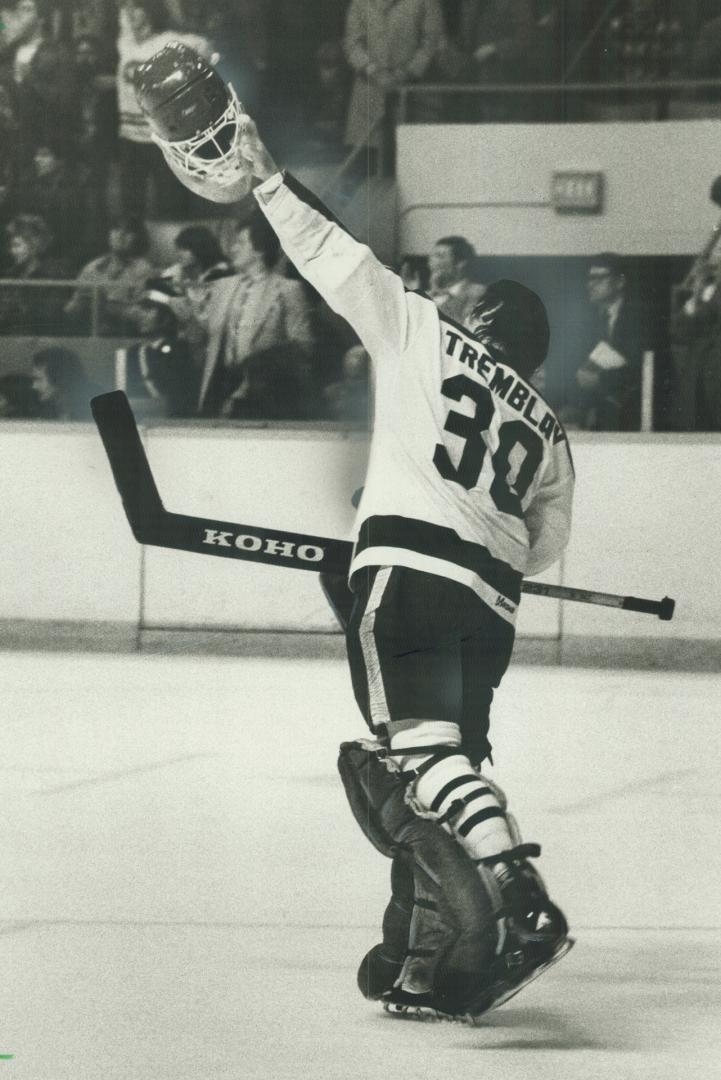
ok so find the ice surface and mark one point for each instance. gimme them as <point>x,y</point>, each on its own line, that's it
<point>186,895</point>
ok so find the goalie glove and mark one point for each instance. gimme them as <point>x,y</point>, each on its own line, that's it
<point>439,929</point>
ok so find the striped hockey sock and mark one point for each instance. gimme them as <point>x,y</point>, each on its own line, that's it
<point>447,784</point>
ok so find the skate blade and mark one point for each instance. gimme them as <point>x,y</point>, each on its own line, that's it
<point>565,947</point>
<point>425,1014</point>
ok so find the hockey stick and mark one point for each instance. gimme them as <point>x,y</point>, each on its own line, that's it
<point>152,524</point>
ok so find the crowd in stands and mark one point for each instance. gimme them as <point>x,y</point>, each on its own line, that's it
<point>227,329</point>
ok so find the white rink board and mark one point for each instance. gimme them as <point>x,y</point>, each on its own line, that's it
<point>294,480</point>
<point>67,551</point>
<point>646,523</point>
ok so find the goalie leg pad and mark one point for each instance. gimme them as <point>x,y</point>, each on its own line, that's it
<point>446,942</point>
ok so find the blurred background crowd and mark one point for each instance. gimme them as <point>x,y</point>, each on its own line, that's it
<point>208,319</point>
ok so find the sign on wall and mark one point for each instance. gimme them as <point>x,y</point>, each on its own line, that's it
<point>577,192</point>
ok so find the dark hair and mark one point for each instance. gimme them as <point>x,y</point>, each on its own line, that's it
<point>461,249</point>
<point>262,237</point>
<point>63,367</point>
<point>136,226</point>
<point>418,266</point>
<point>608,260</point>
<point>515,318</point>
<point>202,243</point>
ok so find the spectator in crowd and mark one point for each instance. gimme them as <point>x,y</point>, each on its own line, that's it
<point>200,258</point>
<point>609,380</point>
<point>328,102</point>
<point>452,287</point>
<point>415,273</point>
<point>95,142</point>
<point>255,314</point>
<point>201,261</point>
<point>143,31</point>
<point>349,398</point>
<point>80,18</point>
<point>49,188</point>
<point>22,35</point>
<point>122,272</point>
<point>18,399</point>
<point>32,310</point>
<point>498,35</point>
<point>161,366</point>
<point>62,386</point>
<point>387,43</point>
<point>696,337</point>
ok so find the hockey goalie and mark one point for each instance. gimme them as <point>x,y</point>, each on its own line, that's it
<point>468,489</point>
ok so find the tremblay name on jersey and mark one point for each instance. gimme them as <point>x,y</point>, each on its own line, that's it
<point>506,384</point>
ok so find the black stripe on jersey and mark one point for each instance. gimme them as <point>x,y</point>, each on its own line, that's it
<point>440,543</point>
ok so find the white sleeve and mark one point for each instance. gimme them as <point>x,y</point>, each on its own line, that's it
<point>346,273</point>
<point>548,518</point>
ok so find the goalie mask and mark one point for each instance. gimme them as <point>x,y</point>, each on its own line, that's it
<point>196,120</point>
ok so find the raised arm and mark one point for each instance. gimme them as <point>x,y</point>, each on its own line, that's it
<point>345,272</point>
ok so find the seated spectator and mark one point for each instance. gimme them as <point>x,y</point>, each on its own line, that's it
<point>49,188</point>
<point>415,273</point>
<point>62,386</point>
<point>123,272</point>
<point>18,400</point>
<point>451,287</point>
<point>32,310</point>
<point>160,367</point>
<point>609,380</point>
<point>349,398</point>
<point>248,315</point>
<point>200,258</point>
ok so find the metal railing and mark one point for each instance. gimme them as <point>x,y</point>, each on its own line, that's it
<point>67,326</point>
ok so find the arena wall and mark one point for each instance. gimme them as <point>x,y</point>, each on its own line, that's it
<point>656,179</point>
<point>644,525</point>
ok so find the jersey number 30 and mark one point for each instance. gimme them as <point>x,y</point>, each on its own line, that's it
<point>511,434</point>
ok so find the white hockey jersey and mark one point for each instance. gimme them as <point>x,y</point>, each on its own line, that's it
<point>470,475</point>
